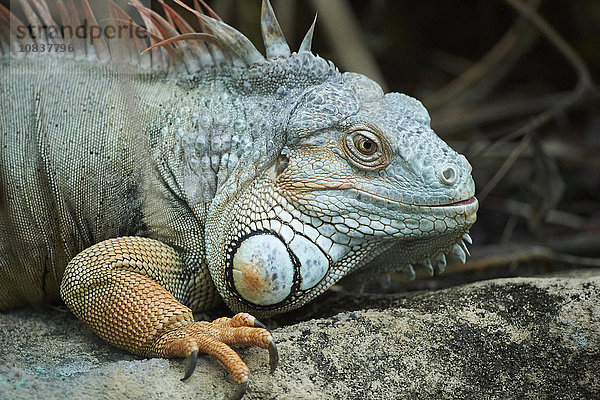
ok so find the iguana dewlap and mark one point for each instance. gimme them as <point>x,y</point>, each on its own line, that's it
<point>141,187</point>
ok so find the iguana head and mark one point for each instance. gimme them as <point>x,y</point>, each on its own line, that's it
<point>352,174</point>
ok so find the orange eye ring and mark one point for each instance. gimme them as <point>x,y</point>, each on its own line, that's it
<point>366,149</point>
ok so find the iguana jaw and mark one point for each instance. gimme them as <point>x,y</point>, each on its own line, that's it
<point>403,220</point>
<point>280,251</point>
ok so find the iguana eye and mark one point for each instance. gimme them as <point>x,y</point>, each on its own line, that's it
<point>366,150</point>
<point>365,145</point>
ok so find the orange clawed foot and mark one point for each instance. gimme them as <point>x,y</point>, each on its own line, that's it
<point>214,338</point>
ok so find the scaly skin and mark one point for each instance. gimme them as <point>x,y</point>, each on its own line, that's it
<point>142,194</point>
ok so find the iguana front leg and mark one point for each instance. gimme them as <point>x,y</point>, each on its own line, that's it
<point>113,287</point>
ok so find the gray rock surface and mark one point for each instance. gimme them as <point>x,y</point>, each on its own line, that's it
<point>503,338</point>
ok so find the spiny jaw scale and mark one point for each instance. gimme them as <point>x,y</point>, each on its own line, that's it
<point>439,262</point>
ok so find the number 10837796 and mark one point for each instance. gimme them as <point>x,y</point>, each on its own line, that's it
<point>45,47</point>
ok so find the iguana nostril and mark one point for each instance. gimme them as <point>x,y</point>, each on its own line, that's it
<point>448,175</point>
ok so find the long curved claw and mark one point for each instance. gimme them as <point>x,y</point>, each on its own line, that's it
<point>241,391</point>
<point>273,355</point>
<point>258,324</point>
<point>190,365</point>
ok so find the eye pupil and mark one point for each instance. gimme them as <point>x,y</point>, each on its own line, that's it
<point>365,145</point>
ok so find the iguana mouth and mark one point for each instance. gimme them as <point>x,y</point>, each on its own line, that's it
<point>368,196</point>
<point>466,202</point>
<point>461,203</point>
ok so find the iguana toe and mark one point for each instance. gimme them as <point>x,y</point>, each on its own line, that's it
<point>214,338</point>
<point>247,320</point>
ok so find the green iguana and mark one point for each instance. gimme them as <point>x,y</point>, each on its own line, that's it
<point>139,187</point>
